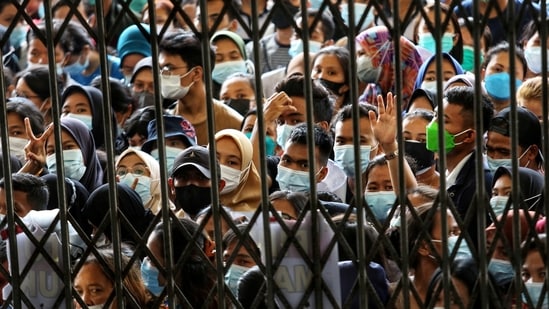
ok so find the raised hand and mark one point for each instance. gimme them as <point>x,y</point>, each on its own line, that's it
<point>276,105</point>
<point>385,125</point>
<point>35,150</point>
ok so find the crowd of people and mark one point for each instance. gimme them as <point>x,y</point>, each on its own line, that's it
<point>162,211</point>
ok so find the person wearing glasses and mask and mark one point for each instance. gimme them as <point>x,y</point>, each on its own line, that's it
<point>182,79</point>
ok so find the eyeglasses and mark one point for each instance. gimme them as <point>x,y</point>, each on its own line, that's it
<point>168,71</point>
<point>137,170</point>
<point>16,94</point>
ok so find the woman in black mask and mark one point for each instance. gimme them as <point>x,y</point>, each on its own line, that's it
<point>331,70</point>
<point>414,124</point>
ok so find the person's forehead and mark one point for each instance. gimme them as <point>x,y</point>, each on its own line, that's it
<point>493,137</point>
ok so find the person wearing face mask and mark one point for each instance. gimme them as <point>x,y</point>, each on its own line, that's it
<point>531,41</point>
<point>271,147</point>
<point>467,26</point>
<point>459,133</point>
<point>179,134</point>
<point>190,180</point>
<point>238,91</point>
<point>375,64</point>
<point>141,172</point>
<point>320,35</point>
<point>238,262</point>
<point>133,45</point>
<point>274,47</point>
<point>531,190</point>
<point>413,126</point>
<point>496,74</point>
<point>533,250</point>
<point>498,140</point>
<point>500,266</point>
<point>17,109</point>
<point>427,75</point>
<point>242,191</point>
<point>331,69</point>
<point>182,79</point>
<point>230,58</point>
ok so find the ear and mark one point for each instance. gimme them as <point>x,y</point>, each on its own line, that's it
<point>197,73</point>
<point>322,174</point>
<point>171,186</point>
<point>424,249</point>
<point>329,42</point>
<point>233,25</point>
<point>221,184</point>
<point>531,154</point>
<point>470,136</point>
<point>209,248</point>
<point>324,125</point>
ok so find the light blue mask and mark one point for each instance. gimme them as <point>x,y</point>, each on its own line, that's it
<point>283,133</point>
<point>77,68</point>
<point>380,202</point>
<point>534,291</point>
<point>463,249</point>
<point>143,187</point>
<point>360,8</point>
<point>73,162</point>
<point>344,156</point>
<point>296,47</point>
<point>149,273</point>
<point>270,144</point>
<point>497,85</point>
<point>171,153</point>
<point>315,4</point>
<point>86,119</point>
<point>498,204</point>
<point>225,69</point>
<point>494,164</point>
<point>427,41</point>
<point>502,271</point>
<point>18,36</point>
<point>292,180</point>
<point>234,273</point>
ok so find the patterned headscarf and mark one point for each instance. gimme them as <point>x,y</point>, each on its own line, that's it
<point>378,44</point>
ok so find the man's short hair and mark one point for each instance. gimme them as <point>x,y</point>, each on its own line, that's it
<point>294,86</point>
<point>465,97</point>
<point>346,112</point>
<point>35,188</point>
<point>326,20</point>
<point>323,141</point>
<point>186,45</point>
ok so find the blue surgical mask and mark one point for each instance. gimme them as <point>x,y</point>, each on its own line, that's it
<point>292,180</point>
<point>315,4</point>
<point>494,164</point>
<point>498,204</point>
<point>86,119</point>
<point>360,8</point>
<point>427,41</point>
<point>18,36</point>
<point>234,273</point>
<point>77,68</point>
<point>150,273</point>
<point>534,291</point>
<point>344,156</point>
<point>143,187</point>
<point>497,85</point>
<point>502,271</point>
<point>73,162</point>
<point>171,153</point>
<point>381,203</point>
<point>270,144</point>
<point>462,251</point>
<point>296,47</point>
<point>283,133</point>
<point>225,69</point>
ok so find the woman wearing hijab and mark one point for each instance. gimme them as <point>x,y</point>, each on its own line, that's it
<point>242,191</point>
<point>132,214</point>
<point>531,190</point>
<point>375,65</point>
<point>427,75</point>
<point>141,172</point>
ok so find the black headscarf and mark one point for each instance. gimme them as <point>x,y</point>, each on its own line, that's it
<point>531,185</point>
<point>129,204</point>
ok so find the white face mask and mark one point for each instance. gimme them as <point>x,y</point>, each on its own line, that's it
<point>232,178</point>
<point>17,147</point>
<point>283,133</point>
<point>171,86</point>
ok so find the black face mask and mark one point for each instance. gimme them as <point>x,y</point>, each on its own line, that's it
<point>242,106</point>
<point>280,19</point>
<point>333,87</point>
<point>192,199</point>
<point>418,151</point>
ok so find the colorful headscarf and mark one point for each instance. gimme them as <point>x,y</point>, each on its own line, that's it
<point>378,44</point>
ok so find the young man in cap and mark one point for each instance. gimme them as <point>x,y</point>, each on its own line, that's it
<point>190,180</point>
